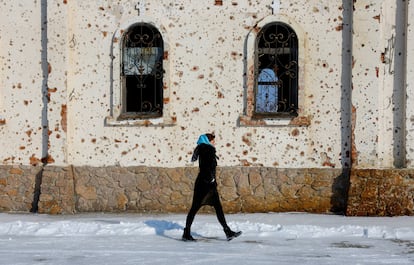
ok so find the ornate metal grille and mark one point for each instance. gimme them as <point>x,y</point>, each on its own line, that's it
<point>277,71</point>
<point>142,71</point>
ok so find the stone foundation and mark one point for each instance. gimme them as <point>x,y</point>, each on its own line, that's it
<point>63,190</point>
<point>143,189</point>
<point>386,192</point>
<point>242,189</point>
<point>17,185</point>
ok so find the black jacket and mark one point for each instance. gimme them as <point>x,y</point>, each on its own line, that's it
<point>205,188</point>
<point>207,162</point>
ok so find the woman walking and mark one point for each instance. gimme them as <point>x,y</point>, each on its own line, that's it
<point>205,188</point>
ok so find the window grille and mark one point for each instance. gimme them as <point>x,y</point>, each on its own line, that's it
<point>142,72</point>
<point>276,75</point>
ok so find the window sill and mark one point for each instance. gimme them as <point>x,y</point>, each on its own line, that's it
<point>150,122</point>
<point>300,121</point>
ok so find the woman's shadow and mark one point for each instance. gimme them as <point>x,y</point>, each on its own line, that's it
<point>161,226</point>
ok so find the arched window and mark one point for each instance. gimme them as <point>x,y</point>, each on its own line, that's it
<point>276,75</point>
<point>142,72</point>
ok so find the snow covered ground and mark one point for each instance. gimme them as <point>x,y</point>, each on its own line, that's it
<point>273,238</point>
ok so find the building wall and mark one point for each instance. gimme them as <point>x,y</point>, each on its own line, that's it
<point>379,84</point>
<point>20,83</point>
<point>60,88</point>
<point>205,82</point>
<point>410,88</point>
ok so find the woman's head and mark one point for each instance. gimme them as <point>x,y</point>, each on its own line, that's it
<point>207,138</point>
<point>210,136</point>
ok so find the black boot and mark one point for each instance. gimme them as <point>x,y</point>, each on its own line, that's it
<point>231,234</point>
<point>187,235</point>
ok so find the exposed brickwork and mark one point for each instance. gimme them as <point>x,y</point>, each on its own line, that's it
<point>218,2</point>
<point>375,192</point>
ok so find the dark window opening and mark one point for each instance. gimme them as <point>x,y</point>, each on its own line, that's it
<point>142,72</point>
<point>276,92</point>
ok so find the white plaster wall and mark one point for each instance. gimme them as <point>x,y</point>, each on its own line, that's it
<point>380,108</point>
<point>366,82</point>
<point>59,42</point>
<point>374,84</point>
<point>20,82</point>
<point>386,70</point>
<point>205,60</point>
<point>410,86</point>
<point>205,83</point>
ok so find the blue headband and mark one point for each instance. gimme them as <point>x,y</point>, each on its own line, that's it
<point>203,139</point>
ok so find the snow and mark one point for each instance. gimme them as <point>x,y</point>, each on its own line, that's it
<point>272,238</point>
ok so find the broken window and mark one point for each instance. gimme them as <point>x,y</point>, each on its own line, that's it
<point>276,75</point>
<point>142,72</point>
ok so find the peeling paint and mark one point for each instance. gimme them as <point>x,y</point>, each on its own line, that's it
<point>63,114</point>
<point>218,2</point>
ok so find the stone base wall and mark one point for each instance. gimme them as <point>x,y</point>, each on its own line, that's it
<point>386,192</point>
<point>17,185</point>
<point>57,191</point>
<point>242,189</point>
<point>143,189</point>
<point>62,190</point>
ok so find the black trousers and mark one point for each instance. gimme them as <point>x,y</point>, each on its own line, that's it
<point>205,194</point>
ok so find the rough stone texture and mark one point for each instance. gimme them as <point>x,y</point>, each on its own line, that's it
<point>17,187</point>
<point>375,192</point>
<point>242,189</point>
<point>372,192</point>
<point>137,189</point>
<point>144,189</point>
<point>57,191</point>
